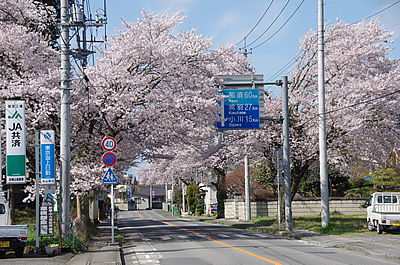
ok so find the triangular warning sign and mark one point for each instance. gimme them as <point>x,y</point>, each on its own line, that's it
<point>110,178</point>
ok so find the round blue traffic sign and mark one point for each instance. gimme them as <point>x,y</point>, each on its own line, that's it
<point>109,159</point>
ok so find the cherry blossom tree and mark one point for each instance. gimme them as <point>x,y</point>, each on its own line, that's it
<point>361,91</point>
<point>28,67</point>
<point>361,96</point>
<point>153,89</point>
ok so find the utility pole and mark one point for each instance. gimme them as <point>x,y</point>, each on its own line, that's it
<point>247,197</point>
<point>322,121</point>
<point>65,120</point>
<point>77,20</point>
<point>286,153</point>
<point>183,197</point>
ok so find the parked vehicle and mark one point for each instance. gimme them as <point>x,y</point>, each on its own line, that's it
<point>12,237</point>
<point>383,211</point>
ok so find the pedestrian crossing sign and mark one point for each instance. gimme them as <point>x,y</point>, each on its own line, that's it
<point>109,177</point>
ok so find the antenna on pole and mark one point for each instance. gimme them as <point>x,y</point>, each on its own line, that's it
<point>244,51</point>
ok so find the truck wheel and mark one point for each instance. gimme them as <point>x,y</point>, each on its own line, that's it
<point>370,225</point>
<point>19,251</point>
<point>379,229</point>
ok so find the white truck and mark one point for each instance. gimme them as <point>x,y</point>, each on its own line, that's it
<point>12,237</point>
<point>383,211</point>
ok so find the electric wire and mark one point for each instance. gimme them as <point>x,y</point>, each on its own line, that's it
<point>290,17</point>
<point>265,12</point>
<point>283,69</point>
<point>384,9</point>
<point>272,23</point>
<point>352,106</point>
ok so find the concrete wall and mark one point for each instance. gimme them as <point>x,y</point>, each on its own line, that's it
<point>235,208</point>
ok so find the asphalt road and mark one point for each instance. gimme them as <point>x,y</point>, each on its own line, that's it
<point>152,238</point>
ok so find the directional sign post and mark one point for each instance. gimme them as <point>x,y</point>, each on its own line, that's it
<point>243,104</point>
<point>110,159</point>
<point>240,109</point>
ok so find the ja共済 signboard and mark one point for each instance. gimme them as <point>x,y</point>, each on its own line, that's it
<point>15,141</point>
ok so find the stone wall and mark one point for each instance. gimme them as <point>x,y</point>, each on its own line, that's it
<point>235,208</point>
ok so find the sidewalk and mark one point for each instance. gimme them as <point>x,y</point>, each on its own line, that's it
<point>372,245</point>
<point>101,250</point>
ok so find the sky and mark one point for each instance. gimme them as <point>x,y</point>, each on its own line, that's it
<point>230,21</point>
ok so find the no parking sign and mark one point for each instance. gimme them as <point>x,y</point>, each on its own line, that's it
<point>109,159</point>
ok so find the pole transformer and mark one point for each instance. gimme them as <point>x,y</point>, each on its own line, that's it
<point>65,120</point>
<point>322,121</point>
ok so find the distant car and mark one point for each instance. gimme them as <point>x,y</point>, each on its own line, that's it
<point>383,211</point>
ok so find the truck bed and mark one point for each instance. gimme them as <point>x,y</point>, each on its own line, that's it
<point>386,208</point>
<point>13,231</point>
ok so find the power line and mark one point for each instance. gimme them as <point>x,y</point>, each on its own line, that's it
<point>265,12</point>
<point>386,8</point>
<point>283,69</point>
<point>354,105</point>
<point>295,11</point>
<point>273,22</point>
<point>292,60</point>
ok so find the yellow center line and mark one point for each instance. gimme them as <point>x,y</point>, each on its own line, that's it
<point>219,242</point>
<point>139,214</point>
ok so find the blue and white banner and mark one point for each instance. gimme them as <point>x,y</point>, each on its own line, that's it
<point>47,157</point>
<point>15,142</point>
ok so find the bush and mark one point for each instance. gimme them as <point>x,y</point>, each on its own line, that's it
<point>191,192</point>
<point>199,206</point>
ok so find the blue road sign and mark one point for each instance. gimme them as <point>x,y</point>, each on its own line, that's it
<point>109,177</point>
<point>47,157</point>
<point>109,159</point>
<point>240,109</point>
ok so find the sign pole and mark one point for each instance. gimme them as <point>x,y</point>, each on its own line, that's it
<point>247,187</point>
<point>112,213</point>
<point>37,188</point>
<point>109,159</point>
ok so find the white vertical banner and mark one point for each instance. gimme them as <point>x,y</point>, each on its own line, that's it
<point>15,142</point>
<point>47,140</point>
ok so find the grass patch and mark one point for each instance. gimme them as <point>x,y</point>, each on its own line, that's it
<point>267,221</point>
<point>25,216</point>
<point>338,225</point>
